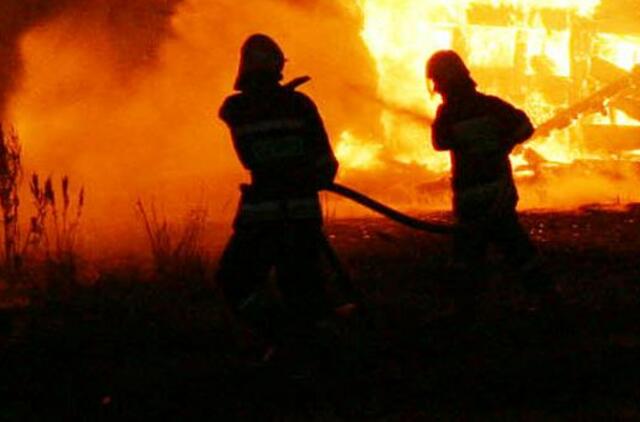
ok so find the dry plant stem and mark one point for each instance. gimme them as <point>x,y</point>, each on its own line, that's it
<point>177,254</point>
<point>62,260</point>
<point>50,196</point>
<point>37,231</point>
<point>156,233</point>
<point>44,200</point>
<point>65,207</point>
<point>10,175</point>
<point>147,224</point>
<point>73,226</point>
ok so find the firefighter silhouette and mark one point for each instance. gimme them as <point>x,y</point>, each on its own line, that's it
<point>480,132</point>
<point>279,137</point>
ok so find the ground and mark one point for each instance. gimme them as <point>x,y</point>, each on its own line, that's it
<point>122,349</point>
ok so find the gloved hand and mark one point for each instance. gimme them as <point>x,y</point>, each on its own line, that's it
<point>326,170</point>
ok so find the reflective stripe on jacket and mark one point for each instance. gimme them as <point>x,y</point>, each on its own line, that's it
<point>280,138</point>
<point>250,212</point>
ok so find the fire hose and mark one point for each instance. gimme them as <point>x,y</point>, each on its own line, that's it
<point>342,276</point>
<point>397,216</point>
<point>414,223</point>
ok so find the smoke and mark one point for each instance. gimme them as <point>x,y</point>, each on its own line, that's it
<point>122,96</point>
<point>133,28</point>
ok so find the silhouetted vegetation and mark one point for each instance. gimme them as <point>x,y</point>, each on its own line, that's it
<point>123,349</point>
<point>47,256</point>
<point>179,255</point>
<point>10,175</point>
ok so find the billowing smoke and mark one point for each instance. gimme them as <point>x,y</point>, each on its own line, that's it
<point>134,29</point>
<point>122,95</point>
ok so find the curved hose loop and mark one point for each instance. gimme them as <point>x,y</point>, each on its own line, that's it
<point>414,223</point>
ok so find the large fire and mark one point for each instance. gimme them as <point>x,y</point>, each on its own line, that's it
<point>537,54</point>
<point>122,96</point>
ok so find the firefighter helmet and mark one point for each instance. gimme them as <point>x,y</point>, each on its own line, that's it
<point>260,55</point>
<point>446,70</point>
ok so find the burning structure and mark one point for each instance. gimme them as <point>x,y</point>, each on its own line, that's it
<point>572,65</point>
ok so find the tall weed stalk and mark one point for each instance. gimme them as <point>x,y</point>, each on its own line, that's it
<point>178,253</point>
<point>10,176</point>
<point>53,229</point>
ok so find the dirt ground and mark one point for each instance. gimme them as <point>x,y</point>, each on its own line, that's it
<point>123,349</point>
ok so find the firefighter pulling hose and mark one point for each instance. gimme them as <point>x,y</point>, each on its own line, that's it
<point>479,131</point>
<point>279,137</point>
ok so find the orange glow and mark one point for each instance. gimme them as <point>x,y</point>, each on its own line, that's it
<point>401,36</point>
<point>355,154</point>
<point>152,131</point>
<point>623,50</point>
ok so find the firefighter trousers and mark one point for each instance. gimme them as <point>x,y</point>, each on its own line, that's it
<point>292,249</point>
<point>506,233</point>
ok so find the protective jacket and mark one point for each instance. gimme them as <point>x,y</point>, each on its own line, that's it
<point>280,138</point>
<point>480,132</point>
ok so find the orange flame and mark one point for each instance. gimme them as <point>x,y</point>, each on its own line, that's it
<point>155,131</point>
<point>402,35</point>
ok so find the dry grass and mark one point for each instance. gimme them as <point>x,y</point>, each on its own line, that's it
<point>55,237</point>
<point>48,256</point>
<point>178,252</point>
<point>52,236</point>
<point>10,176</point>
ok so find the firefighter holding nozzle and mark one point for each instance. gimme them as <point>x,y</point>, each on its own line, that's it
<point>480,132</point>
<point>280,138</point>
